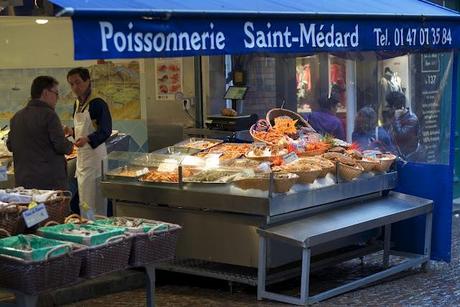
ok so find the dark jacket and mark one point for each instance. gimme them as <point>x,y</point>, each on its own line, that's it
<point>371,141</point>
<point>405,132</point>
<point>325,122</point>
<point>37,141</point>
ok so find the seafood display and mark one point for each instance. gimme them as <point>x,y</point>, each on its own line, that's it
<point>200,144</point>
<point>265,152</point>
<point>129,171</point>
<point>284,144</point>
<point>213,176</point>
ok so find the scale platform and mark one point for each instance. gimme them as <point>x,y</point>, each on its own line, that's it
<point>231,123</point>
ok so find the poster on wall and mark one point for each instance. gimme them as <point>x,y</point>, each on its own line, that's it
<point>168,78</point>
<point>117,83</point>
<point>429,111</point>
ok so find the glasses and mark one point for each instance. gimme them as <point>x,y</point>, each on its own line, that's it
<point>55,92</point>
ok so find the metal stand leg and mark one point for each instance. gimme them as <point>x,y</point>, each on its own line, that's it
<point>150,285</point>
<point>26,300</point>
<point>305,278</point>
<point>386,245</point>
<point>262,265</point>
<point>427,249</point>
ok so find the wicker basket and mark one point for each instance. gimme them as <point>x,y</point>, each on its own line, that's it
<point>311,153</point>
<point>368,165</point>
<point>385,163</point>
<point>4,233</point>
<point>151,248</point>
<point>327,167</point>
<point>309,176</point>
<point>108,257</point>
<point>277,112</point>
<point>349,173</point>
<point>34,277</point>
<point>58,207</point>
<point>251,132</point>
<point>280,185</point>
<point>13,222</point>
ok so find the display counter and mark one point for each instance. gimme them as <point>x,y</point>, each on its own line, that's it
<point>220,219</point>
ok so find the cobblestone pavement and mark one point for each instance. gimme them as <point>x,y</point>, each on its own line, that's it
<point>439,287</point>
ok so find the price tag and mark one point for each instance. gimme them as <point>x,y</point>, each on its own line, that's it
<point>290,157</point>
<point>142,172</point>
<point>167,167</point>
<point>35,215</point>
<point>213,155</point>
<point>3,174</point>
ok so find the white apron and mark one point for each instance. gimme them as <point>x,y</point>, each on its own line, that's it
<point>89,167</point>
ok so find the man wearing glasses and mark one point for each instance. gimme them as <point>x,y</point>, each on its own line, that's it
<point>37,140</point>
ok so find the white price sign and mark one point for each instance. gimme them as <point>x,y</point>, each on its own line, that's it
<point>35,215</point>
<point>290,157</point>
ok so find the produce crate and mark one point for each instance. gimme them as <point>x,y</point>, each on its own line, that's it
<point>34,277</point>
<point>86,234</point>
<point>133,225</point>
<point>11,220</point>
<point>58,207</point>
<point>33,248</point>
<point>154,246</point>
<point>107,257</point>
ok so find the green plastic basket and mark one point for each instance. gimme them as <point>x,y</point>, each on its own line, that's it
<point>38,248</point>
<point>134,225</point>
<point>95,235</point>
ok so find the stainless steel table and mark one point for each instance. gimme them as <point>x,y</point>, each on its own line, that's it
<point>340,222</point>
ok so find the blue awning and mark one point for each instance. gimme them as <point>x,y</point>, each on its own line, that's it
<point>170,28</point>
<point>268,8</point>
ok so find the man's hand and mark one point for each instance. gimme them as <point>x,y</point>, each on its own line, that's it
<point>67,131</point>
<point>82,141</point>
<point>399,113</point>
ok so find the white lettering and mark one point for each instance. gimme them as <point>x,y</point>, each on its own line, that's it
<point>106,33</point>
<point>355,37</point>
<point>129,41</point>
<point>195,41</point>
<point>138,42</point>
<point>171,37</point>
<point>220,40</point>
<point>184,37</point>
<point>248,28</point>
<point>159,42</point>
<point>148,42</point>
<point>307,36</point>
<point>119,40</point>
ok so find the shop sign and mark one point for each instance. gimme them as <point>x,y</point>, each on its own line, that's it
<point>140,38</point>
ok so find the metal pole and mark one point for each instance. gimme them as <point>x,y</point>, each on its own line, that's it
<point>150,285</point>
<point>386,245</point>
<point>262,273</point>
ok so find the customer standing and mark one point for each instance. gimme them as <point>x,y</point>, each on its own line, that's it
<point>405,129</point>
<point>37,140</point>
<point>368,136</point>
<point>92,127</point>
<point>325,120</point>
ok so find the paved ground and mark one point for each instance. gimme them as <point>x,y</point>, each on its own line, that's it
<point>439,287</point>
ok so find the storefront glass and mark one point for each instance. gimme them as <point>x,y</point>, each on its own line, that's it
<point>388,102</point>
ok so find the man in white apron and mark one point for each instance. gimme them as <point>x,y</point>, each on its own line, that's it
<point>92,127</point>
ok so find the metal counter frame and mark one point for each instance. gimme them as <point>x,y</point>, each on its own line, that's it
<point>337,223</point>
<point>220,197</point>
